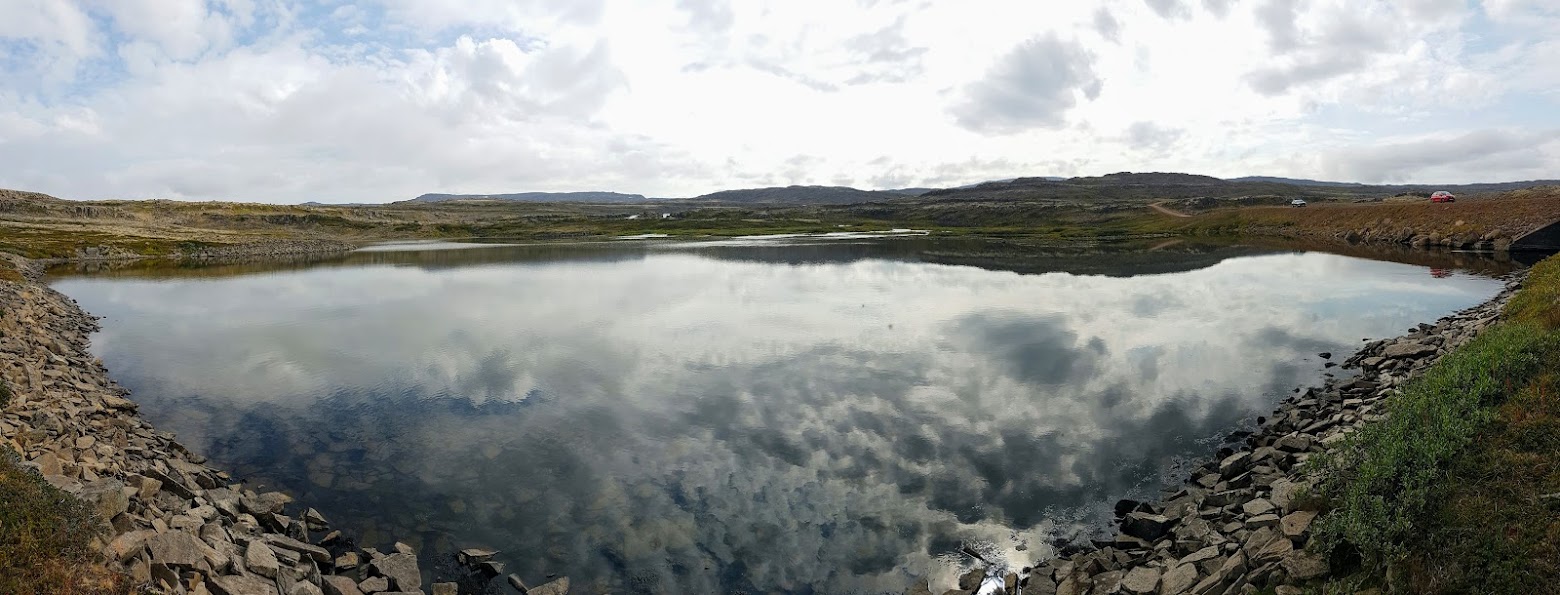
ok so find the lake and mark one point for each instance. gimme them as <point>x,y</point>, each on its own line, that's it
<point>753,415</point>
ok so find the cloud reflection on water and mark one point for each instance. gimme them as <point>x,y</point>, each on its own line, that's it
<point>678,423</point>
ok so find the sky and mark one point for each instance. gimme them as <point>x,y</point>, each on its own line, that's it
<point>382,100</point>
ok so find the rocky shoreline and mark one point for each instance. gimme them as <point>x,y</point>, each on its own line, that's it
<point>1241,522</point>
<point>170,521</point>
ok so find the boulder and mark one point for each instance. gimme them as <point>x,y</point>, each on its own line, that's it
<point>176,549</point>
<point>1234,464</point>
<point>1257,507</point>
<point>347,561</point>
<point>340,585</point>
<point>1296,525</point>
<point>401,569</point>
<point>557,587</point>
<point>1285,493</point>
<point>375,584</point>
<point>107,497</point>
<point>446,589</point>
<point>1141,581</point>
<point>259,559</point>
<point>1145,526</point>
<point>475,556</point>
<point>128,545</point>
<point>241,585</point>
<point>264,504</point>
<point>1304,566</point>
<point>1407,350</point>
<point>1179,579</point>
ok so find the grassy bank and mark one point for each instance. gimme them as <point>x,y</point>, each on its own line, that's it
<point>1446,495</point>
<point>46,537</point>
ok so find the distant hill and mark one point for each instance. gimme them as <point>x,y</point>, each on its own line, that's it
<point>1293,181</point>
<point>538,197</point>
<point>799,195</point>
<point>1144,179</point>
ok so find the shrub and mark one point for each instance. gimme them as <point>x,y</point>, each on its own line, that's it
<point>46,536</point>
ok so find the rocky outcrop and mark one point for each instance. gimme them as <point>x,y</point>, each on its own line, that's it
<point>1242,521</point>
<point>265,249</point>
<point>168,520</point>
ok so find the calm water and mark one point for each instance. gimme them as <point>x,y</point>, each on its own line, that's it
<point>744,416</point>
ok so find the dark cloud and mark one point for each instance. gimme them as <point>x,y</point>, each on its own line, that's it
<point>1039,350</point>
<point>1033,86</point>
<point>1169,9</point>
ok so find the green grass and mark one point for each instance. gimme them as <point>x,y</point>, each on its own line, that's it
<point>1449,482</point>
<point>46,537</point>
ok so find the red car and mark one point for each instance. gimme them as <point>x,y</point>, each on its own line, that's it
<point>1442,196</point>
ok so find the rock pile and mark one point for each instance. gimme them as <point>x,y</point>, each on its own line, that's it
<point>169,520</point>
<point>1241,522</point>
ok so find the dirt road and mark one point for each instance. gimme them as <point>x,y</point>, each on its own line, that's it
<point>1159,206</point>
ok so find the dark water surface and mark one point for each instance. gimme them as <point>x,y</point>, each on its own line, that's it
<point>745,416</point>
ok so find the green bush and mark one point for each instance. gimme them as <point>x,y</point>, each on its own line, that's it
<point>1385,482</point>
<point>5,395</point>
<point>46,536</point>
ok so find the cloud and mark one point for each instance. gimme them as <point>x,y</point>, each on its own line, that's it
<point>675,417</point>
<point>1153,137</point>
<point>1033,86</point>
<point>1168,9</point>
<point>1107,25</point>
<point>1400,161</point>
<point>288,101</point>
<point>1219,8</point>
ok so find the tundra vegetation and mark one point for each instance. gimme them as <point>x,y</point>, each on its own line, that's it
<point>1457,490</point>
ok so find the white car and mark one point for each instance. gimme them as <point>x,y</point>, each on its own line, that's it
<point>1297,203</point>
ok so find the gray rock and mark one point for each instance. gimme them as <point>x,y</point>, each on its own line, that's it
<point>1257,507</point>
<point>1234,464</point>
<point>1407,350</point>
<point>318,554</point>
<point>347,561</point>
<point>241,585</point>
<point>1296,525</point>
<point>519,585</point>
<point>475,556</point>
<point>1145,526</point>
<point>259,559</point>
<point>1179,579</point>
<point>1141,580</point>
<point>264,504</point>
<point>401,569</point>
<point>340,585</point>
<point>1285,493</point>
<point>107,497</point>
<point>128,545</point>
<point>1304,566</point>
<point>176,549</point>
<point>446,589</point>
<point>304,588</point>
<point>1207,553</point>
<point>557,587</point>
<point>376,584</point>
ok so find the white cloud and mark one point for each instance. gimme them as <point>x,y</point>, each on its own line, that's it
<point>379,101</point>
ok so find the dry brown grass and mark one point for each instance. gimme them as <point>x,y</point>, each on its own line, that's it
<point>1509,214</point>
<point>46,539</point>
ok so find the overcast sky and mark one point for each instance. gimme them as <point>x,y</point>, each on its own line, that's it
<point>381,100</point>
